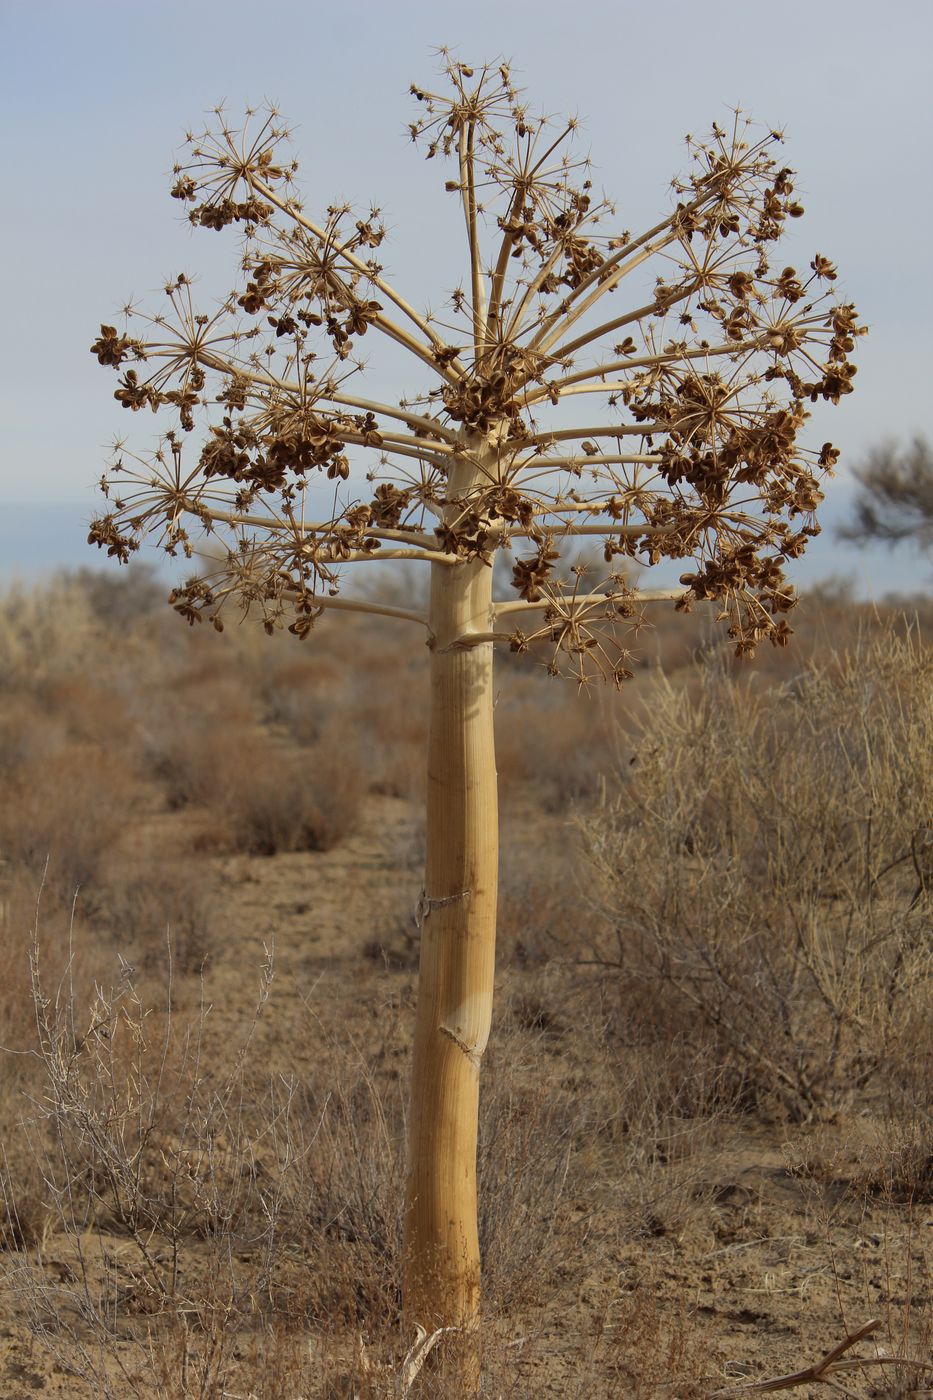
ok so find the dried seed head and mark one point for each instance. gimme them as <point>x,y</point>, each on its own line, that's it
<point>701,384</point>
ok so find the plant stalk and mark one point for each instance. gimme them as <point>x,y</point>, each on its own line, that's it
<point>457,918</point>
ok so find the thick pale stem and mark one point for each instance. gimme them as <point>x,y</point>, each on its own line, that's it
<point>457,915</point>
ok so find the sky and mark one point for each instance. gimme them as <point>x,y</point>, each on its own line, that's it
<point>97,96</point>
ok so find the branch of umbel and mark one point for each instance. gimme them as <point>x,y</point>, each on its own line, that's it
<point>703,385</point>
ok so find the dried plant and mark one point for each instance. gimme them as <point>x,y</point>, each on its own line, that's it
<point>768,858</point>
<point>710,381</point>
<point>701,384</point>
<point>141,1149</point>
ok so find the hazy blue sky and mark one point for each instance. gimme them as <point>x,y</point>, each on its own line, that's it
<point>98,94</point>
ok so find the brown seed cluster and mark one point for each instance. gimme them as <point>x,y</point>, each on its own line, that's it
<point>548,405</point>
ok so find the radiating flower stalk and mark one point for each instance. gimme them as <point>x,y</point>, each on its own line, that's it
<point>547,408</point>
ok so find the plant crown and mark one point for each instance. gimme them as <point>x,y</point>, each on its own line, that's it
<point>701,390</point>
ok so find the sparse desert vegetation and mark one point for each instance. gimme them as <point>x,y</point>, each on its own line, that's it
<point>706,1131</point>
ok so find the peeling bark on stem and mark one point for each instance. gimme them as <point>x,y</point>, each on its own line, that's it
<point>457,915</point>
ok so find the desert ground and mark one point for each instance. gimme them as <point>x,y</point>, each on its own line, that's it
<point>706,1130</point>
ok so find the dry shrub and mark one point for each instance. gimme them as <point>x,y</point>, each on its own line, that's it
<point>390,725</point>
<point>367,681</point>
<point>551,743</point>
<point>585,1141</point>
<point>346,1212</point>
<point>654,1127</point>
<point>25,1211</point>
<point>646,1115</point>
<point>120,598</point>
<point>360,680</point>
<point>898,1163</point>
<point>197,1196</point>
<point>527,1139</point>
<point>186,750</point>
<point>337,776</point>
<point>28,737</point>
<point>295,1192</point>
<point>828,618</point>
<point>214,690</point>
<point>295,693</point>
<point>48,630</point>
<point>259,802</point>
<point>265,800</point>
<point>157,906</point>
<point>768,858</point>
<point>544,912</point>
<point>93,713</point>
<point>67,813</point>
<point>167,1181</point>
<point>190,731</point>
<point>259,795</point>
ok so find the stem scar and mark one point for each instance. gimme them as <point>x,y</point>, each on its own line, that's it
<point>426,906</point>
<point>472,1054</point>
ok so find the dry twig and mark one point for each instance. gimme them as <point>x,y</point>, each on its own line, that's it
<point>830,1365</point>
